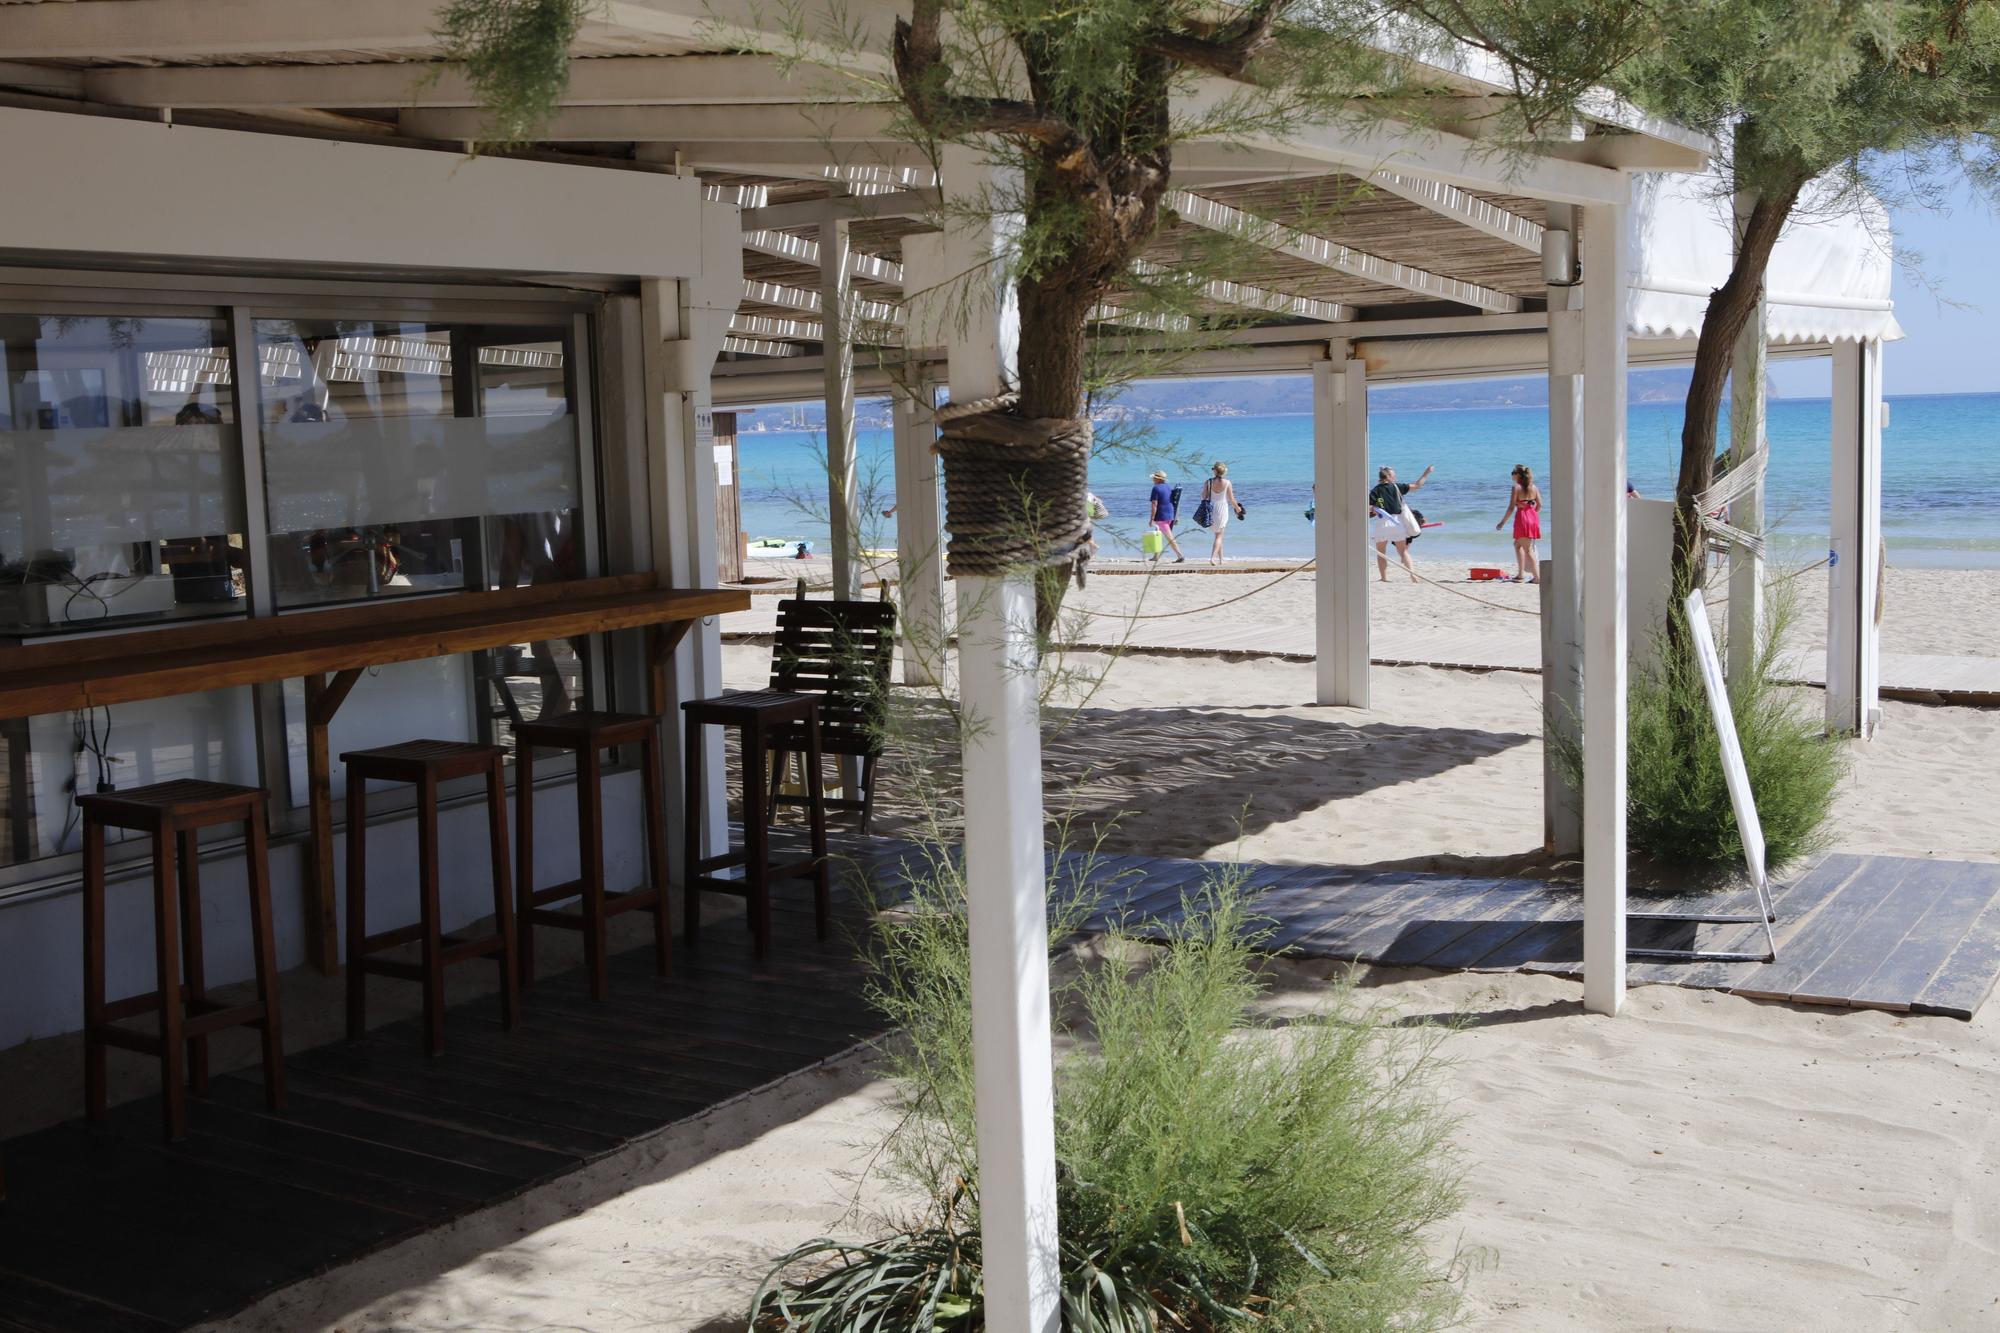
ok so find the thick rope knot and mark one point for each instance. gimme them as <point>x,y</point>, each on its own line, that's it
<point>1015,488</point>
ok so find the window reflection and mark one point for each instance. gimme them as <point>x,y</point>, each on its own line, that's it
<point>415,457</point>
<point>118,501</point>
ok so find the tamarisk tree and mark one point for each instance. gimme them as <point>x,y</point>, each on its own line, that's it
<point>1889,95</point>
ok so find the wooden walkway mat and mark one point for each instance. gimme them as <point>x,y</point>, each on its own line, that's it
<point>107,1229</point>
<point>1865,932</point>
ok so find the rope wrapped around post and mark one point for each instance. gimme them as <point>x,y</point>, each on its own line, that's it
<point>1016,489</point>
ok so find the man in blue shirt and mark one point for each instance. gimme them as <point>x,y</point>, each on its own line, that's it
<point>1163,514</point>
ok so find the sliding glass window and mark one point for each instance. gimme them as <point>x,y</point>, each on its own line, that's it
<point>409,457</point>
<point>121,507</point>
<point>120,502</point>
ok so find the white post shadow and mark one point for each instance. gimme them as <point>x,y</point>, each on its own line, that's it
<point>1602,561</point>
<point>1747,389</point>
<point>1005,882</point>
<point>1854,550</point>
<point>1340,530</point>
<point>836,305</point>
<point>1562,585</point>
<point>919,528</point>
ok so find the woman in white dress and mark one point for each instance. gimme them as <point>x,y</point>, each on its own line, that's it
<point>1220,496</point>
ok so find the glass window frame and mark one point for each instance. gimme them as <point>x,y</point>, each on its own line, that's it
<point>239,302</point>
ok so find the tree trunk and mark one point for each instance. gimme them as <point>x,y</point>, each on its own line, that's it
<point>1729,309</point>
<point>1054,315</point>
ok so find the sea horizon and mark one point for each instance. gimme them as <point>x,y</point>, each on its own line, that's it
<point>1940,506</point>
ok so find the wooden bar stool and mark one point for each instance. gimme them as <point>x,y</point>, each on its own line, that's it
<point>588,735</point>
<point>173,813</point>
<point>425,765</point>
<point>756,714</point>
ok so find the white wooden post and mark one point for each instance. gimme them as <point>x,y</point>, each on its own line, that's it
<point>1603,567</point>
<point>1006,885</point>
<point>1746,439</point>
<point>1562,593</point>
<point>682,326</point>
<point>919,531</point>
<point>836,304</point>
<point>1340,535</point>
<point>1853,639</point>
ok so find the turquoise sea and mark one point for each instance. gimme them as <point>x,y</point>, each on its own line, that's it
<point>1940,477</point>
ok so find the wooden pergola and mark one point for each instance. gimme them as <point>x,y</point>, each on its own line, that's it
<point>1383,252</point>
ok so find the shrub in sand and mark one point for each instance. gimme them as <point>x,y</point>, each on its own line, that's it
<point>1678,811</point>
<point>1211,1175</point>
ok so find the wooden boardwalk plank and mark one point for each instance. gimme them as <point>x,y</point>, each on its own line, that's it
<point>1964,980</point>
<point>1968,893</point>
<point>1917,888</point>
<point>1795,903</point>
<point>1827,929</point>
<point>36,1307</point>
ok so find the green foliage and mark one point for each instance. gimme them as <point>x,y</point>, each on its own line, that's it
<point>1212,1173</point>
<point>1678,811</point>
<point>516,56</point>
<point>1875,89</point>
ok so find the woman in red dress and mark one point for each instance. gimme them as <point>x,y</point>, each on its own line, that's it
<point>1524,506</point>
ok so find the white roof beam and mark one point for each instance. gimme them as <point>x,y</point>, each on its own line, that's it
<point>1451,202</point>
<point>602,81</point>
<point>812,212</point>
<point>169,29</point>
<point>1247,297</point>
<point>798,298</point>
<point>760,346</point>
<point>1202,211</point>
<point>803,250</point>
<point>805,123</point>
<point>1133,319</point>
<point>786,329</point>
<point>1365,145</point>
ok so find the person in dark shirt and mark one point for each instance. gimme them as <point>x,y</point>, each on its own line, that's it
<point>1163,513</point>
<point>1385,519</point>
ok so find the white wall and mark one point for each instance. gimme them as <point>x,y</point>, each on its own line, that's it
<point>140,187</point>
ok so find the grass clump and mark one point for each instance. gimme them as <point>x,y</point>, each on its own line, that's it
<point>1678,811</point>
<point>1212,1173</point>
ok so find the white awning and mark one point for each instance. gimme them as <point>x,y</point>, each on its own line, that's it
<point>1828,280</point>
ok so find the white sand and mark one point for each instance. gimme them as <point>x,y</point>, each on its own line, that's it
<point>1703,1162</point>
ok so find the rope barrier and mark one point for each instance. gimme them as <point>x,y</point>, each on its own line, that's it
<point>1457,592</point>
<point>1216,606</point>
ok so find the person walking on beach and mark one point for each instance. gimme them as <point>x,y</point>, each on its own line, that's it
<point>1387,517</point>
<point>1524,506</point>
<point>1163,514</point>
<point>1219,494</point>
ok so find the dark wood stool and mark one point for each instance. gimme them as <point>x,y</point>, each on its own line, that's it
<point>424,765</point>
<point>756,714</point>
<point>588,735</point>
<point>174,813</point>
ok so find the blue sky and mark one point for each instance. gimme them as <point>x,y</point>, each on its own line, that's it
<point>1950,310</point>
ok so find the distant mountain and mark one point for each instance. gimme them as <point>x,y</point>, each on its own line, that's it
<point>1257,396</point>
<point>1273,395</point>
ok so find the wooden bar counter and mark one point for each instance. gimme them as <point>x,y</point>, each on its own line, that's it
<point>329,650</point>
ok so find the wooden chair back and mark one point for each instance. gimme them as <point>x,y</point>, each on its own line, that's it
<point>840,651</point>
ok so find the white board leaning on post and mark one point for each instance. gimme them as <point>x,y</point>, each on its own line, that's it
<point>1738,777</point>
<point>1733,768</point>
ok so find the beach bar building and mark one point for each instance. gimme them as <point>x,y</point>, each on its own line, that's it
<point>319,435</point>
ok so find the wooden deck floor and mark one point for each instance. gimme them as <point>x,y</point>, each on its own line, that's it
<point>107,1229</point>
